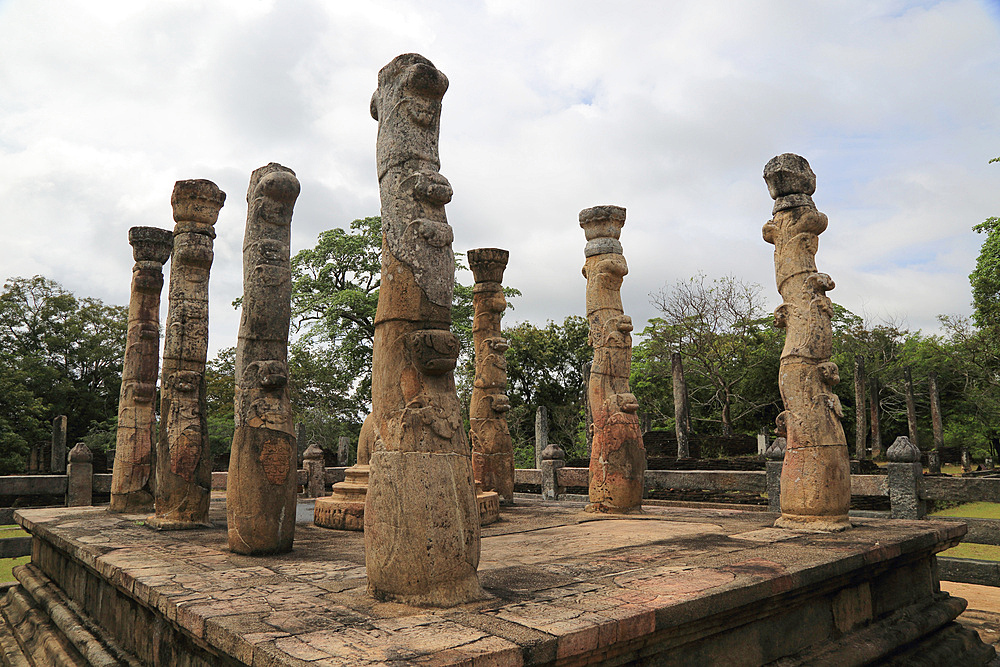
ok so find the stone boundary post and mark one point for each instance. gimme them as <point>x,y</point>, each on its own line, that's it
<point>905,480</point>
<point>315,468</point>
<point>541,433</point>
<point>553,458</point>
<point>775,454</point>
<point>59,444</point>
<point>80,477</point>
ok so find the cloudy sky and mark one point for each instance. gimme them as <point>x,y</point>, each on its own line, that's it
<point>670,109</point>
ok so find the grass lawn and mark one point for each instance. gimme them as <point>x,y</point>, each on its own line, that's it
<point>979,510</point>
<point>8,564</point>
<point>11,531</point>
<point>973,551</point>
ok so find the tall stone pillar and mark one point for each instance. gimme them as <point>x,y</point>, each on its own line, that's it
<point>860,423</point>
<point>183,464</point>
<point>541,433</point>
<point>911,408</point>
<point>131,488</point>
<point>492,448</point>
<point>617,456</point>
<point>680,407</point>
<point>59,444</point>
<point>937,424</point>
<point>263,477</point>
<point>422,535</point>
<point>873,408</point>
<point>815,476</point>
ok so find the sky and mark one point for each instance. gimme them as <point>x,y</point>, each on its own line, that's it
<point>670,109</point>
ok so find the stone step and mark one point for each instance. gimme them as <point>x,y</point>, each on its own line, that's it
<point>42,627</point>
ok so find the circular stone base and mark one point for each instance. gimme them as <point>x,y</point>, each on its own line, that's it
<point>489,507</point>
<point>815,524</point>
<point>339,514</point>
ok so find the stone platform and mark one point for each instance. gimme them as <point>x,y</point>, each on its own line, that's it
<point>675,586</point>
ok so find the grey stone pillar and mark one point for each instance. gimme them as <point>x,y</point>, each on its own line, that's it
<point>315,471</point>
<point>775,458</point>
<point>553,458</point>
<point>966,460</point>
<point>911,408</point>
<point>80,477</point>
<point>988,463</point>
<point>905,480</point>
<point>59,444</point>
<point>934,462</point>
<point>343,450</point>
<point>541,433</point>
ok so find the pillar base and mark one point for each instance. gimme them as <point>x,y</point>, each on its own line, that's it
<point>813,524</point>
<point>344,509</point>
<point>163,523</point>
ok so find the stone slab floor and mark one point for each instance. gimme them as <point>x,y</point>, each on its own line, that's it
<point>562,583</point>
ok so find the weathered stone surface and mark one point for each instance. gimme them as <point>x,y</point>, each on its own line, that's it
<point>421,516</point>
<point>617,455</point>
<point>315,467</point>
<point>815,477</point>
<point>80,476</point>
<point>492,447</point>
<point>262,477</point>
<point>131,481</point>
<point>541,433</point>
<point>183,464</point>
<point>344,508</point>
<point>58,450</point>
<point>677,586</point>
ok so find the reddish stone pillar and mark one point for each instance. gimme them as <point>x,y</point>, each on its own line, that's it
<point>183,464</point>
<point>421,519</point>
<point>263,478</point>
<point>492,448</point>
<point>617,456</point>
<point>815,477</point>
<point>131,479</point>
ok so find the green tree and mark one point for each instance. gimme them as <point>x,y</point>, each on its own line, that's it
<point>545,368</point>
<point>66,353</point>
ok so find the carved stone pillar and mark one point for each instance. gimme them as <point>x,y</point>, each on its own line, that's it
<point>492,448</point>
<point>58,451</point>
<point>617,456</point>
<point>421,519</point>
<point>815,477</point>
<point>131,489</point>
<point>183,464</point>
<point>262,481</point>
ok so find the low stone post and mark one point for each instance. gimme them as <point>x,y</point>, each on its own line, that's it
<point>934,462</point>
<point>59,444</point>
<point>80,477</point>
<point>343,450</point>
<point>988,463</point>
<point>553,458</point>
<point>905,480</point>
<point>541,433</point>
<point>775,455</point>
<point>312,460</point>
<point>966,460</point>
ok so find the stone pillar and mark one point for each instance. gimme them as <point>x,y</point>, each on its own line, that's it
<point>911,408</point>
<point>937,424</point>
<point>873,406</point>
<point>815,478</point>
<point>80,477</point>
<point>988,463</point>
<point>966,460</point>
<point>300,440</point>
<point>860,425</point>
<point>343,450</point>
<point>775,455</point>
<point>905,480</point>
<point>183,463</point>
<point>422,534</point>
<point>263,477</point>
<point>934,462</point>
<point>618,458</point>
<point>680,406</point>
<point>589,414</point>
<point>131,479</point>
<point>492,448</point>
<point>33,456</point>
<point>59,444</point>
<point>541,433</point>
<point>315,466</point>
<point>553,458</point>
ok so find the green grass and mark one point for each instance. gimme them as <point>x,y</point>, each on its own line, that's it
<point>973,551</point>
<point>11,531</point>
<point>8,564</point>
<point>980,510</point>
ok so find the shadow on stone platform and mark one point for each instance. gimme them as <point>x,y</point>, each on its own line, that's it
<point>674,586</point>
